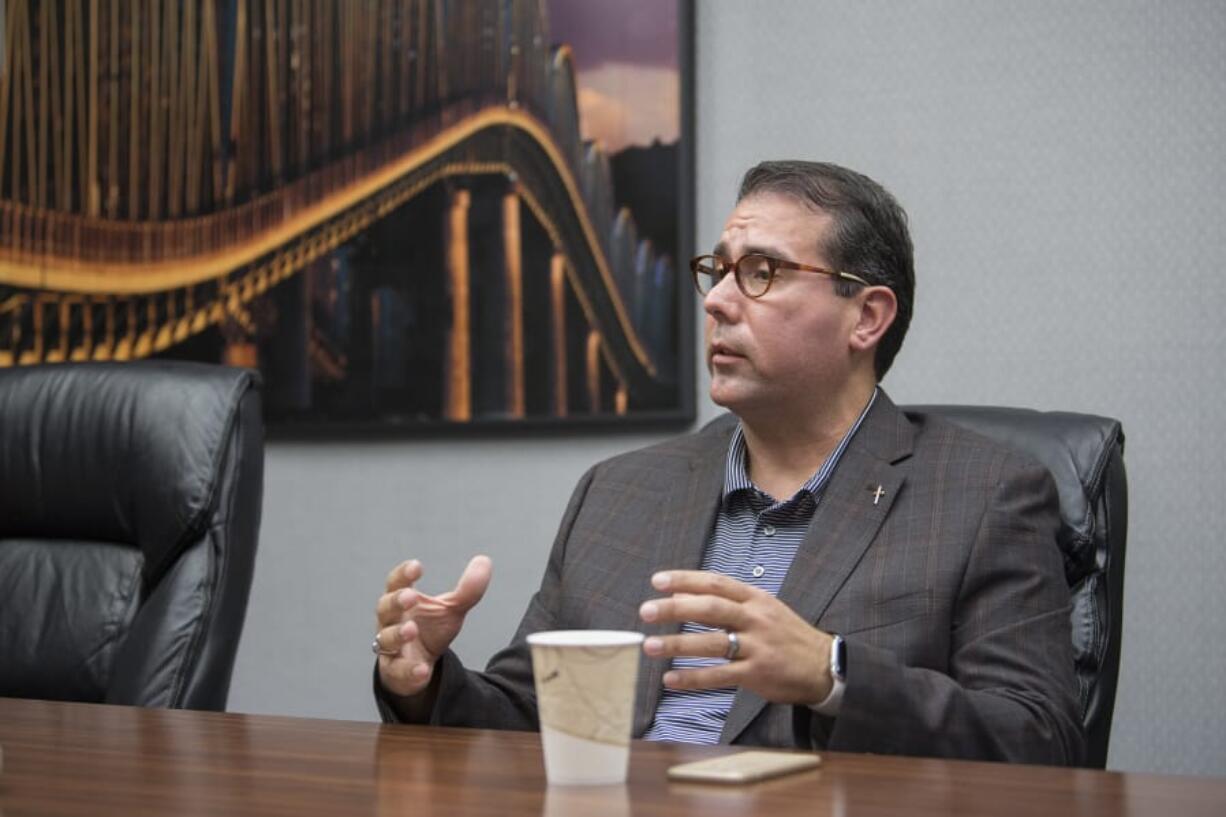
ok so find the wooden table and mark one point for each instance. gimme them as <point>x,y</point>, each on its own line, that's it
<point>73,759</point>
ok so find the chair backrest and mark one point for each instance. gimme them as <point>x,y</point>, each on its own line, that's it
<point>1085,455</point>
<point>130,500</point>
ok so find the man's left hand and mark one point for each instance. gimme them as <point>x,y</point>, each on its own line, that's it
<point>781,656</point>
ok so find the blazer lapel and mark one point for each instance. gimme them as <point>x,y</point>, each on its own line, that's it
<point>852,507</point>
<point>690,512</point>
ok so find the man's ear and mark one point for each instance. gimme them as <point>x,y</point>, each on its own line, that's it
<point>878,307</point>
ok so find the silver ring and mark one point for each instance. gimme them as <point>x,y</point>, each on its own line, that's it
<point>734,645</point>
<point>377,648</point>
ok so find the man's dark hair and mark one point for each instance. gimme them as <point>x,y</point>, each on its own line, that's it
<point>869,236</point>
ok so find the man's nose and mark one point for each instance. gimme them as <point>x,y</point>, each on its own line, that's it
<point>723,300</point>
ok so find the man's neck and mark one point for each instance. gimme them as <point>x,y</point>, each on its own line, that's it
<point>784,452</point>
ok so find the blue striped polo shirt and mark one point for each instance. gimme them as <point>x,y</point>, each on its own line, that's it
<point>754,541</point>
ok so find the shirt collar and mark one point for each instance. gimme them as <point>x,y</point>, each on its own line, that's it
<point>736,476</point>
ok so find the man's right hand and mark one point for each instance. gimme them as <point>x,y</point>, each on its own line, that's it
<point>416,629</point>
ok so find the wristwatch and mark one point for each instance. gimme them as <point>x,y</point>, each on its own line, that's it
<point>838,659</point>
<point>838,676</point>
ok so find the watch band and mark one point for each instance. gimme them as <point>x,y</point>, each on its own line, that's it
<point>838,674</point>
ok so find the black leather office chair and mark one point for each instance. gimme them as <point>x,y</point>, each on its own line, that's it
<point>129,511</point>
<point>1085,454</point>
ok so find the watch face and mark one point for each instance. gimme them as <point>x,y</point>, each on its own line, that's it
<point>840,657</point>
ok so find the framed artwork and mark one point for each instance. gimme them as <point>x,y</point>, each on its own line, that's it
<point>407,214</point>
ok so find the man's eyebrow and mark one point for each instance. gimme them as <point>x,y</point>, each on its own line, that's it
<point>721,249</point>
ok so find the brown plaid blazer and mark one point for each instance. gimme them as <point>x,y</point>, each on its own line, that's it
<point>949,590</point>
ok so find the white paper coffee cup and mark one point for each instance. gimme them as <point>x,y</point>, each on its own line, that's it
<point>585,681</point>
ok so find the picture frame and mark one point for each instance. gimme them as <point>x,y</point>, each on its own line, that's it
<point>404,213</point>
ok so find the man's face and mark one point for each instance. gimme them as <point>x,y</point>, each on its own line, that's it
<point>780,353</point>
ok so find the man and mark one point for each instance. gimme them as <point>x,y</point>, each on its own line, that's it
<point>815,569</point>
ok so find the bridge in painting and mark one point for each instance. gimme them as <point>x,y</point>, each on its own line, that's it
<point>290,183</point>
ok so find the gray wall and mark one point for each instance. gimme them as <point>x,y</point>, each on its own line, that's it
<point>1062,164</point>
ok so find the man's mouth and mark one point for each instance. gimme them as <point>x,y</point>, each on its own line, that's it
<point>720,352</point>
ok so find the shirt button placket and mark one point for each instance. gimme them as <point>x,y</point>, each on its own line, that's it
<point>759,570</point>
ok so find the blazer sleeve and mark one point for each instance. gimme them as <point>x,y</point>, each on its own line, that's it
<point>1010,692</point>
<point>503,696</point>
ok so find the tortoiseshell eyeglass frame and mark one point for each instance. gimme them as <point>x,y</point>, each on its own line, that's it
<point>713,268</point>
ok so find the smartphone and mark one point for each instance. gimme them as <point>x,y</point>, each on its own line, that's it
<point>744,767</point>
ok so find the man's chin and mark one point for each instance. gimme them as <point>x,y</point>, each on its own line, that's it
<point>743,397</point>
<point>727,395</point>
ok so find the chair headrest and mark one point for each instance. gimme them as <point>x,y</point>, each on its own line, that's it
<point>1075,448</point>
<point>126,453</point>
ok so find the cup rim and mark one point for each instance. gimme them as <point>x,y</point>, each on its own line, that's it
<point>585,638</point>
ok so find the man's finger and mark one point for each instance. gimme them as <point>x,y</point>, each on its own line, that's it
<point>392,605</point>
<point>390,640</point>
<point>713,611</point>
<point>403,575</point>
<point>721,677</point>
<point>702,582</point>
<point>473,583</point>
<point>695,645</point>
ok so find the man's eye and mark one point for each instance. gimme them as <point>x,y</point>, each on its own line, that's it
<point>759,272</point>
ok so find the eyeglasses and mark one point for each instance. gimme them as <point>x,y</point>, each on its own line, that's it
<point>754,272</point>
